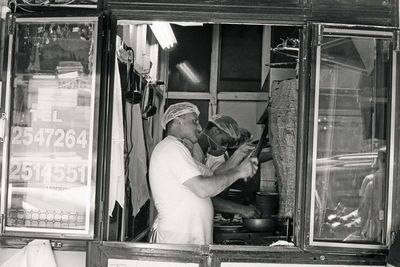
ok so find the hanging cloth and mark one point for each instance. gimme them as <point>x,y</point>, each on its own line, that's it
<point>37,253</point>
<point>117,169</point>
<point>137,158</point>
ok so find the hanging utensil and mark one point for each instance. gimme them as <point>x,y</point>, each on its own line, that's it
<point>150,109</point>
<point>133,96</point>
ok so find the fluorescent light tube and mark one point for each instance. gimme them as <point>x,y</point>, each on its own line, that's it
<point>164,34</point>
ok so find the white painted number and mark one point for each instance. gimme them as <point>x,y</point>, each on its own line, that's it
<point>70,138</point>
<point>16,136</point>
<point>28,136</point>
<point>59,142</point>
<point>39,137</point>
<point>48,172</point>
<point>48,137</point>
<point>81,140</point>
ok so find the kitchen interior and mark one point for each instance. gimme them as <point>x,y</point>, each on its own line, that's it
<point>248,72</point>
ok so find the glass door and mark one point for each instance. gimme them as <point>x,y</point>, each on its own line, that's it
<point>50,119</point>
<point>352,137</point>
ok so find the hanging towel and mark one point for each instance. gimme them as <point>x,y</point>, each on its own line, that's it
<point>37,253</point>
<point>137,158</point>
<point>148,138</point>
<point>117,169</point>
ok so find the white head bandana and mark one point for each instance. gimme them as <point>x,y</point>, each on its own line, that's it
<point>177,110</point>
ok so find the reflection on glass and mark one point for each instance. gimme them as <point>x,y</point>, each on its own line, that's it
<point>51,134</point>
<point>188,71</point>
<point>190,60</point>
<point>352,130</point>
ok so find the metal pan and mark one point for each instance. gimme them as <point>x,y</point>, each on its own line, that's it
<point>260,225</point>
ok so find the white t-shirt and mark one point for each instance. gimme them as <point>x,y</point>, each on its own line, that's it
<point>183,217</point>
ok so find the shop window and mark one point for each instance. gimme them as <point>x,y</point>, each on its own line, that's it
<point>352,125</point>
<point>189,61</point>
<point>48,159</point>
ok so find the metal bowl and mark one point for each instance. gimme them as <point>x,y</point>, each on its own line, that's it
<point>260,225</point>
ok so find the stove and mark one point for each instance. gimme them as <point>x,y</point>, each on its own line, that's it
<point>235,233</point>
<point>244,237</point>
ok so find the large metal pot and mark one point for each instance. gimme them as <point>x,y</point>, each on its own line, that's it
<point>267,203</point>
<point>260,225</point>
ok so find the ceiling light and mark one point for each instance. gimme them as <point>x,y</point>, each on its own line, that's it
<point>164,34</point>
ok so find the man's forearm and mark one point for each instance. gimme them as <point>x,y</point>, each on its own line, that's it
<point>232,162</point>
<point>210,186</point>
<point>219,181</point>
<point>224,205</point>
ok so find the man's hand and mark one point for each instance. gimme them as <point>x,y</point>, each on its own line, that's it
<point>241,153</point>
<point>250,212</point>
<point>245,149</point>
<point>248,168</point>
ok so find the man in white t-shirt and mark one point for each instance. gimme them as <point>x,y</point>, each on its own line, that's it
<point>182,195</point>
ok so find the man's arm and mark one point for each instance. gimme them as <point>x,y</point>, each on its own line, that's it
<point>210,186</point>
<point>224,205</point>
<point>238,156</point>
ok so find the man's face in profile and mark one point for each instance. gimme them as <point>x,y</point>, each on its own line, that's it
<point>190,126</point>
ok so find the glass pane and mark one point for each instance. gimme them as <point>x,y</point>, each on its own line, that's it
<point>190,60</point>
<point>241,54</point>
<point>352,134</point>
<point>51,136</point>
